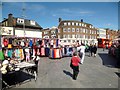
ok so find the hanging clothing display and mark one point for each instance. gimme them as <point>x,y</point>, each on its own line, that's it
<point>38,51</point>
<point>1,54</point>
<point>47,52</point>
<point>5,42</point>
<point>21,54</point>
<point>42,51</point>
<point>9,46</point>
<point>30,43</point>
<point>9,53</point>
<point>27,54</point>
<point>17,53</point>
<point>10,40</point>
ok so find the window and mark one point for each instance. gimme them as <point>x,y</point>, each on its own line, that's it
<point>69,36</point>
<point>82,24</point>
<point>73,23</point>
<point>68,23</point>
<point>77,36</point>
<point>64,40</point>
<point>58,30</point>
<point>85,25</point>
<point>77,29</point>
<point>69,30</point>
<point>32,22</point>
<point>64,30</point>
<point>83,36</point>
<point>73,29</point>
<point>73,41</point>
<point>76,24</point>
<point>73,36</point>
<point>65,24</point>
<point>69,40</point>
<point>83,30</point>
<point>20,21</point>
<point>46,32</point>
<point>64,36</point>
<point>79,24</point>
<point>80,30</point>
<point>58,36</point>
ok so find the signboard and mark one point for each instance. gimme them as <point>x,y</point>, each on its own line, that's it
<point>6,30</point>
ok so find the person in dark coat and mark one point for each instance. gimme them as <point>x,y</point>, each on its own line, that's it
<point>90,50</point>
<point>75,60</point>
<point>95,50</point>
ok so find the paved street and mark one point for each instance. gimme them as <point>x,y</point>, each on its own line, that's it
<point>96,72</point>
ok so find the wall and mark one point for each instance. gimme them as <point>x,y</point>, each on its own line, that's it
<point>28,33</point>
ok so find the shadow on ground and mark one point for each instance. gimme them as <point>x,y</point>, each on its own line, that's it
<point>118,74</point>
<point>67,73</point>
<point>15,78</point>
<point>108,60</point>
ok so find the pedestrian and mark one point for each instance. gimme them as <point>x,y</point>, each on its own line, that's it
<point>75,60</point>
<point>90,50</point>
<point>82,52</point>
<point>103,45</point>
<point>95,50</point>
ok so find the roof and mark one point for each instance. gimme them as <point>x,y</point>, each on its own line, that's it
<point>27,23</point>
<point>73,21</point>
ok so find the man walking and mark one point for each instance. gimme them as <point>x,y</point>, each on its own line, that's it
<point>82,53</point>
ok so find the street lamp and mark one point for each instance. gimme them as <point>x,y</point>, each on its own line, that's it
<point>0,24</point>
<point>23,9</point>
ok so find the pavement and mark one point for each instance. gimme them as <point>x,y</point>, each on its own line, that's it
<point>96,72</point>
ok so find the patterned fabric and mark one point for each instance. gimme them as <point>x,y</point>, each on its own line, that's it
<point>1,55</point>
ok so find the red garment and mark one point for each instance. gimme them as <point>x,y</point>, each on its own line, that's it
<point>75,60</point>
<point>5,42</point>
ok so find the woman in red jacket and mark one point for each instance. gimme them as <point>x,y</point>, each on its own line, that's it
<point>75,60</point>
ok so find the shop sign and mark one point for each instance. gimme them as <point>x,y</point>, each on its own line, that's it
<point>7,31</point>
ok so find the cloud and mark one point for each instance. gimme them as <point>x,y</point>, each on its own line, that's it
<point>86,12</point>
<point>35,7</point>
<point>72,12</point>
<point>109,24</point>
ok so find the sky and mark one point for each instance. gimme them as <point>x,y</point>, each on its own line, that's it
<point>46,14</point>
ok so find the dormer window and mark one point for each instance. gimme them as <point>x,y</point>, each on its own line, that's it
<point>20,21</point>
<point>32,22</point>
<point>65,24</point>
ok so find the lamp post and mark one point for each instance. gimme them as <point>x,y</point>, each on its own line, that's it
<point>0,24</point>
<point>23,9</point>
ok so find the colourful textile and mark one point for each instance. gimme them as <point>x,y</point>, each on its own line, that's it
<point>1,55</point>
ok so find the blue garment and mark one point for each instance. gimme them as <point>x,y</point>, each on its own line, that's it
<point>30,43</point>
<point>57,42</point>
<point>9,53</point>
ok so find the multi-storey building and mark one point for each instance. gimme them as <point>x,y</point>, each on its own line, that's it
<point>21,27</point>
<point>111,34</point>
<point>72,31</point>
<point>119,33</point>
<point>50,33</point>
<point>101,33</point>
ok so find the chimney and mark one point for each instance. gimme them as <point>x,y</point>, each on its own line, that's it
<point>81,20</point>
<point>60,19</point>
<point>10,20</point>
<point>10,15</point>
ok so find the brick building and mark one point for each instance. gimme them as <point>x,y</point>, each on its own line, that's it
<point>50,32</point>
<point>72,31</point>
<point>111,34</point>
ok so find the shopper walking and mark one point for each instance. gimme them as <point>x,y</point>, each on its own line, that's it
<point>75,60</point>
<point>95,50</point>
<point>82,52</point>
<point>90,50</point>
